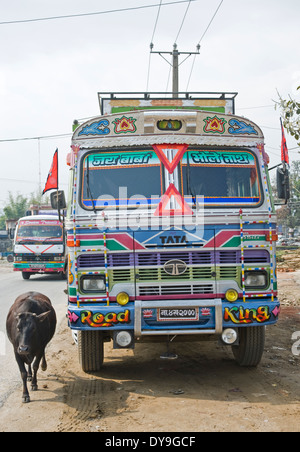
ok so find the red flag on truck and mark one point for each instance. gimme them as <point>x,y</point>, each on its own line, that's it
<point>52,179</point>
<point>284,149</point>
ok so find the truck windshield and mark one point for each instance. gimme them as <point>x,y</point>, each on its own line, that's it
<point>221,177</point>
<point>128,178</point>
<point>39,232</point>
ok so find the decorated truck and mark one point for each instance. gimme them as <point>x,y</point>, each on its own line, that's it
<point>171,227</point>
<point>39,246</point>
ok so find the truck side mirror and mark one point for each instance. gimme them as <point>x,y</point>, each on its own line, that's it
<point>283,184</point>
<point>58,201</point>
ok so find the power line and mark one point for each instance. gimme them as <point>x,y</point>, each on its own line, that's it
<point>70,16</point>
<point>180,28</point>
<point>155,25</point>
<point>151,45</point>
<point>46,137</point>
<point>179,31</point>
<point>199,43</point>
<point>32,182</point>
<point>253,108</point>
<point>66,135</point>
<point>212,19</point>
<point>18,180</point>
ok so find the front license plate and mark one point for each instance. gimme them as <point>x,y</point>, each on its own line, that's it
<point>36,266</point>
<point>186,314</point>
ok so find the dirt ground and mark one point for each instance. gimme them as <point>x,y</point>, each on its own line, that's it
<point>203,390</point>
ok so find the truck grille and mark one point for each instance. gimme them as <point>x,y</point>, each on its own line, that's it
<point>35,258</point>
<point>146,270</point>
<point>194,289</point>
<point>159,259</point>
<point>158,274</point>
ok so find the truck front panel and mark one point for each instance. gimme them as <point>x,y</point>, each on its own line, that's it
<point>171,230</point>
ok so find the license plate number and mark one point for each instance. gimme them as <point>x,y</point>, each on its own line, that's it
<point>186,314</point>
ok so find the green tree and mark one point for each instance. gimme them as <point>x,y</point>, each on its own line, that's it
<point>16,207</point>
<point>289,215</point>
<point>36,198</point>
<point>290,111</point>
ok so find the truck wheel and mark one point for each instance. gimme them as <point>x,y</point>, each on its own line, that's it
<point>251,346</point>
<point>25,275</point>
<point>91,350</point>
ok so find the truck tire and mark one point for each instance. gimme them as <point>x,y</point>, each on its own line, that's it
<point>251,346</point>
<point>91,350</point>
<point>25,275</point>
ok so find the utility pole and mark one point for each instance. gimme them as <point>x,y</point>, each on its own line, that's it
<point>175,64</point>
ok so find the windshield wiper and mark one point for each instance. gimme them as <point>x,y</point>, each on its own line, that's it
<point>188,180</point>
<point>88,184</point>
<point>28,242</point>
<point>51,238</point>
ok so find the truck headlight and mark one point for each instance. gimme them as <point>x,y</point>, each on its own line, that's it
<point>94,283</point>
<point>231,295</point>
<point>256,279</point>
<point>122,298</point>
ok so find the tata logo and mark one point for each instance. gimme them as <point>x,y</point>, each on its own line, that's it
<point>175,267</point>
<point>172,239</point>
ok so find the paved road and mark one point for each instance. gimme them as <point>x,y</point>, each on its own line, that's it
<point>13,285</point>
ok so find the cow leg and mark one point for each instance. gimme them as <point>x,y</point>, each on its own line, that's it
<point>29,373</point>
<point>44,363</point>
<point>35,366</point>
<point>20,362</point>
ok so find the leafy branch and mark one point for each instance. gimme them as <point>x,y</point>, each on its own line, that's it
<point>290,111</point>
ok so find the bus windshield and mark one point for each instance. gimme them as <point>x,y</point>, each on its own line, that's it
<point>221,177</point>
<point>120,178</point>
<point>39,231</point>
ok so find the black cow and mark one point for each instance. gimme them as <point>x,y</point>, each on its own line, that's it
<point>30,325</point>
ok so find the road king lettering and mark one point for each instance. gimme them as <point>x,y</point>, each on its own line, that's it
<point>171,227</point>
<point>243,315</point>
<point>99,320</point>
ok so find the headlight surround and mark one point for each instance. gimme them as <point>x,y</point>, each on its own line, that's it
<point>93,283</point>
<point>256,279</point>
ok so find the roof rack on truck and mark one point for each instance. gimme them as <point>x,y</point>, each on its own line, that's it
<point>117,102</point>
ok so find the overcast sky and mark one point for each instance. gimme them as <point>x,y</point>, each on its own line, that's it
<point>51,70</point>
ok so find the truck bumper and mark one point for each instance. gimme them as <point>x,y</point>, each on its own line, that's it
<point>46,267</point>
<point>174,317</point>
